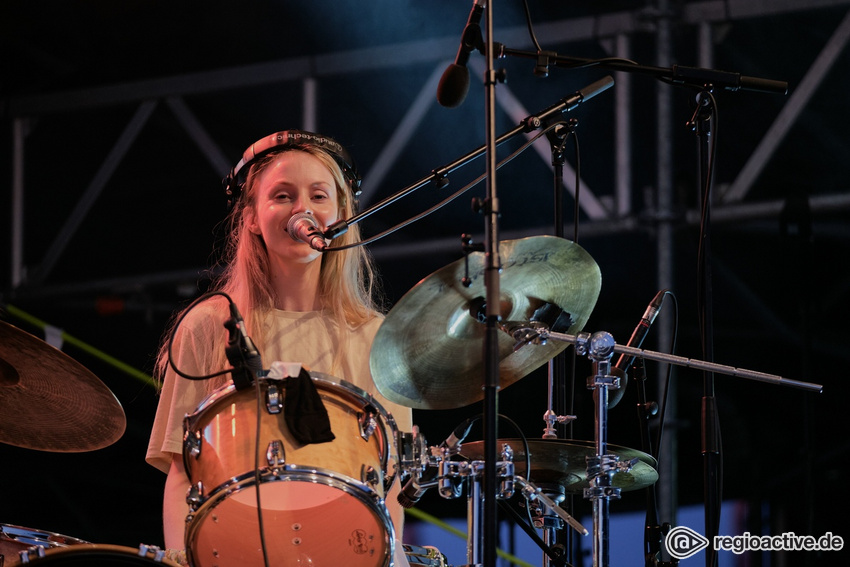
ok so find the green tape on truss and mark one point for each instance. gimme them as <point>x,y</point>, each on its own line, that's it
<point>85,347</point>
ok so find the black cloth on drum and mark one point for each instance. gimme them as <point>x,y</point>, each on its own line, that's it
<point>304,412</point>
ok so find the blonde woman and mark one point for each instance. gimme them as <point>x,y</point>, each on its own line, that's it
<point>299,304</point>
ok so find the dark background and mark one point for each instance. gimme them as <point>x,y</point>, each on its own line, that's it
<point>780,277</point>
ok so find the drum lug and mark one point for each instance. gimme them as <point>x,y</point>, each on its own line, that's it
<point>275,454</point>
<point>274,402</point>
<point>153,551</point>
<point>192,444</point>
<point>195,495</point>
<point>34,552</point>
<point>367,422</point>
<point>369,475</point>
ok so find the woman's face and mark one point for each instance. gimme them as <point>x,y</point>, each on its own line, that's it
<point>294,182</point>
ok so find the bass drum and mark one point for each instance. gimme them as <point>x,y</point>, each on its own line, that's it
<point>99,555</point>
<point>17,539</point>
<point>321,504</point>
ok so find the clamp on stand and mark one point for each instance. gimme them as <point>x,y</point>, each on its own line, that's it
<point>452,474</point>
<point>602,467</point>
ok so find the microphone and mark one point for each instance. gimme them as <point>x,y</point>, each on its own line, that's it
<point>457,436</point>
<point>241,351</point>
<point>454,84</point>
<point>419,483</point>
<point>638,335</point>
<point>416,487</point>
<point>302,227</point>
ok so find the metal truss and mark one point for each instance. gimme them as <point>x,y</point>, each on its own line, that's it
<point>611,214</point>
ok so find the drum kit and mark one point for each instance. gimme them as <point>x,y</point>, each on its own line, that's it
<point>325,504</point>
<point>260,497</point>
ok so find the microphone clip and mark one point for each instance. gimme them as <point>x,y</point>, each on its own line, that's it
<point>241,353</point>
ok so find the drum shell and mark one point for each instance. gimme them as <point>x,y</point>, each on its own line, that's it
<point>320,501</point>
<point>225,426</point>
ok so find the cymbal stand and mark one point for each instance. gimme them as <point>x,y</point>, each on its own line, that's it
<point>452,474</point>
<point>550,516</point>
<point>546,499</point>
<point>600,347</point>
<point>601,467</point>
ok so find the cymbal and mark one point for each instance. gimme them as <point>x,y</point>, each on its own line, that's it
<point>50,402</point>
<point>428,352</point>
<point>564,462</point>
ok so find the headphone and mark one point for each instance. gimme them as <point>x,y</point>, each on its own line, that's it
<point>289,139</point>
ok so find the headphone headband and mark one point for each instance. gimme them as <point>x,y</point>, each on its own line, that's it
<point>292,139</point>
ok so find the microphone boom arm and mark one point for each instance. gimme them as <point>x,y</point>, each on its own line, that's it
<point>582,339</point>
<point>529,124</point>
<point>677,74</point>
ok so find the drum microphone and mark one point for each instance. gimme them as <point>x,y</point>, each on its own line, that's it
<point>454,84</point>
<point>241,351</point>
<point>418,484</point>
<point>638,335</point>
<point>302,227</point>
<point>457,436</point>
<point>416,487</point>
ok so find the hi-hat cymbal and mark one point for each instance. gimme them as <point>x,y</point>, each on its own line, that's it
<point>49,402</point>
<point>428,352</point>
<point>564,462</point>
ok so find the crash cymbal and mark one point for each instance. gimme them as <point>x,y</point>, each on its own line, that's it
<point>428,352</point>
<point>49,402</point>
<point>564,462</point>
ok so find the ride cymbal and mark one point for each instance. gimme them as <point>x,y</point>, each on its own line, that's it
<point>50,402</point>
<point>428,352</point>
<point>564,462</point>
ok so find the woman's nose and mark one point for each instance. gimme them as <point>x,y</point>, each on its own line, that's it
<point>300,205</point>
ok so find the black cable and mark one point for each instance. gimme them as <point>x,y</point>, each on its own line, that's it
<point>191,306</point>
<point>668,379</point>
<point>257,477</point>
<point>530,26</point>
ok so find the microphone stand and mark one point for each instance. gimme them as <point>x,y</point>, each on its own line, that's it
<point>558,365</point>
<point>706,80</point>
<point>700,122</point>
<point>492,266</point>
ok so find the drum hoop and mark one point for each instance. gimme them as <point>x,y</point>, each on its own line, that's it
<point>85,549</point>
<point>318,377</point>
<point>31,536</point>
<point>369,497</point>
<point>294,472</point>
<point>389,450</point>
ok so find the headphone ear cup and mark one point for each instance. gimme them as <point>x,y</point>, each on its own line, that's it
<point>232,189</point>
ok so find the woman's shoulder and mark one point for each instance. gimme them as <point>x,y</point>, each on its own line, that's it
<point>205,316</point>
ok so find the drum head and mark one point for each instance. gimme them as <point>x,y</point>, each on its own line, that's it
<point>304,524</point>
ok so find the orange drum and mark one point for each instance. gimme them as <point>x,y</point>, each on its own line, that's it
<point>15,539</point>
<point>94,555</point>
<point>321,504</point>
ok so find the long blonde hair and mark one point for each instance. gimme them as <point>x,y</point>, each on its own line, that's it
<point>347,282</point>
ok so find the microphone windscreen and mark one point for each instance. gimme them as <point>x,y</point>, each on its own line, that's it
<point>454,84</point>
